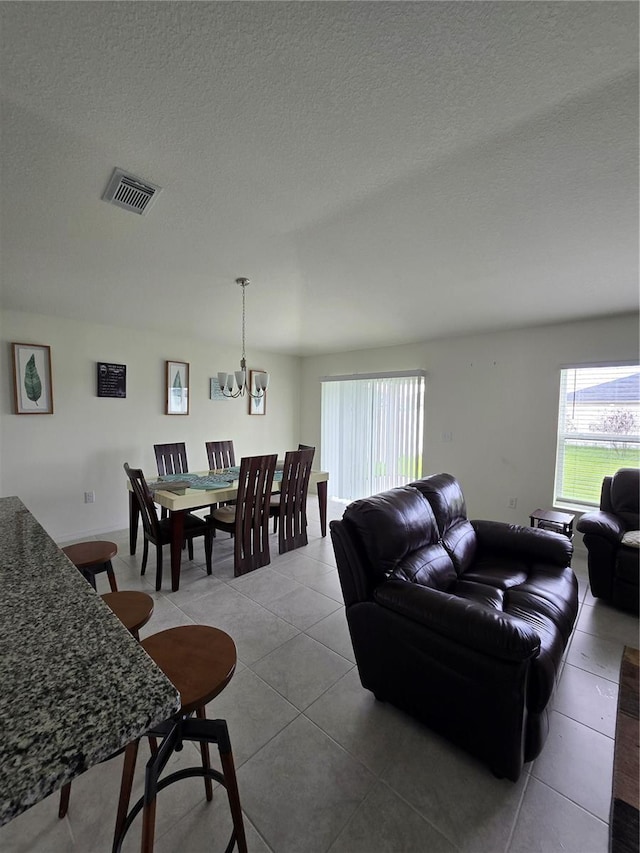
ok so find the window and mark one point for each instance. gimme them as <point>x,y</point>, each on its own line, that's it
<point>372,429</point>
<point>598,429</point>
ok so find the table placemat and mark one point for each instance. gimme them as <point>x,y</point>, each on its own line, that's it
<point>208,482</point>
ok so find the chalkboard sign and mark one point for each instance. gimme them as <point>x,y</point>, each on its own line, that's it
<point>112,379</point>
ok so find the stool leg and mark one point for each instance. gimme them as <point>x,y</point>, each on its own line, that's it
<point>65,793</point>
<point>88,575</point>
<point>111,576</point>
<point>206,761</point>
<point>128,770</point>
<point>148,826</point>
<point>229,773</point>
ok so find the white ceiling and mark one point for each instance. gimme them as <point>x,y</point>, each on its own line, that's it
<point>383,172</point>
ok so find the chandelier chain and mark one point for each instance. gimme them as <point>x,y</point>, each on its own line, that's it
<point>244,286</point>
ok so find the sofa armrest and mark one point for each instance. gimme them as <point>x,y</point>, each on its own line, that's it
<point>523,542</point>
<point>604,524</point>
<point>474,625</point>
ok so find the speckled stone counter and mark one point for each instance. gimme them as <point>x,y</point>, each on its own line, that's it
<point>75,685</point>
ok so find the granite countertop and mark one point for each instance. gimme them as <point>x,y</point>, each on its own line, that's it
<point>76,686</point>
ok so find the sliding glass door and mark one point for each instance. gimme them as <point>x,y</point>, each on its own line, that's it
<point>372,432</point>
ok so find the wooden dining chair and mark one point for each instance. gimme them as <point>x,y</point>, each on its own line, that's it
<point>158,530</point>
<point>248,519</point>
<point>275,497</point>
<point>289,508</point>
<point>171,459</point>
<point>220,454</point>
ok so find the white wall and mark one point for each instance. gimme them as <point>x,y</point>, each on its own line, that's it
<point>498,396</point>
<point>49,461</point>
<point>496,393</point>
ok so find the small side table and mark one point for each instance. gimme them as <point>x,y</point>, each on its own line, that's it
<point>557,522</point>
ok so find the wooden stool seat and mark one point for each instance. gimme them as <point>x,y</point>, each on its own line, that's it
<point>200,661</point>
<point>133,609</point>
<point>93,557</point>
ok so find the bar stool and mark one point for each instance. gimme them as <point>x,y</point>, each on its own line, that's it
<point>91,558</point>
<point>200,661</point>
<point>133,609</point>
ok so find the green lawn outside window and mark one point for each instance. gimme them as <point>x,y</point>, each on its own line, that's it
<point>600,462</point>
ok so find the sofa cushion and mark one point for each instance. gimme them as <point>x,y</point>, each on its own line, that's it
<point>447,502</point>
<point>461,543</point>
<point>393,527</point>
<point>430,566</point>
<point>445,497</point>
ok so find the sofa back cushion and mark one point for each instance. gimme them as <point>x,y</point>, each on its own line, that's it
<point>399,536</point>
<point>444,494</point>
<point>625,496</point>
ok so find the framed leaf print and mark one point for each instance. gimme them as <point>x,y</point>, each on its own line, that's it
<point>32,387</point>
<point>177,388</point>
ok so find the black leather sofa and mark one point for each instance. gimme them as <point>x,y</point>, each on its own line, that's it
<point>460,623</point>
<point>613,565</point>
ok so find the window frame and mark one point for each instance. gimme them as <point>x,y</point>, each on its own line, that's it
<point>561,496</point>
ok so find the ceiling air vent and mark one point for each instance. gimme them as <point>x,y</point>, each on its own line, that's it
<point>130,193</point>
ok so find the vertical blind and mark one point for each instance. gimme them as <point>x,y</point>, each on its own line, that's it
<point>598,429</point>
<point>372,432</point>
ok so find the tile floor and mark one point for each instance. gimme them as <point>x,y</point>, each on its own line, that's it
<point>321,765</point>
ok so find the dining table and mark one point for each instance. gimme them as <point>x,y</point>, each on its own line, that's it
<point>76,686</point>
<point>181,493</point>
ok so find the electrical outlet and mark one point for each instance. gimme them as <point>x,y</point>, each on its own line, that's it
<point>513,503</point>
<point>89,497</point>
<point>447,436</point>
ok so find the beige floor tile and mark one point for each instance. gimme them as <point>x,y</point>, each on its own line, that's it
<point>254,712</point>
<point>456,794</point>
<point>607,622</point>
<point>587,698</point>
<point>386,824</point>
<point>255,631</point>
<point>301,789</point>
<point>333,632</point>
<point>303,607</point>
<point>301,670</point>
<point>596,654</point>
<point>577,762</point>
<point>549,823</point>
<point>370,730</point>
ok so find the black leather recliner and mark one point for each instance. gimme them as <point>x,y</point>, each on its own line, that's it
<point>613,565</point>
<point>460,623</point>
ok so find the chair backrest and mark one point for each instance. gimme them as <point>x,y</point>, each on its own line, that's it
<point>255,481</point>
<point>220,454</point>
<point>145,502</point>
<point>171,458</point>
<point>621,496</point>
<point>307,447</point>
<point>444,494</point>
<point>292,522</point>
<point>393,534</point>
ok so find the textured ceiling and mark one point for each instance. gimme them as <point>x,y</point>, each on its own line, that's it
<point>383,172</point>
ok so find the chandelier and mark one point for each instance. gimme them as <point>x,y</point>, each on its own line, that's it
<point>226,380</point>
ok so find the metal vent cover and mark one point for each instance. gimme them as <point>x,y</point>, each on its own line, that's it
<point>130,193</point>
